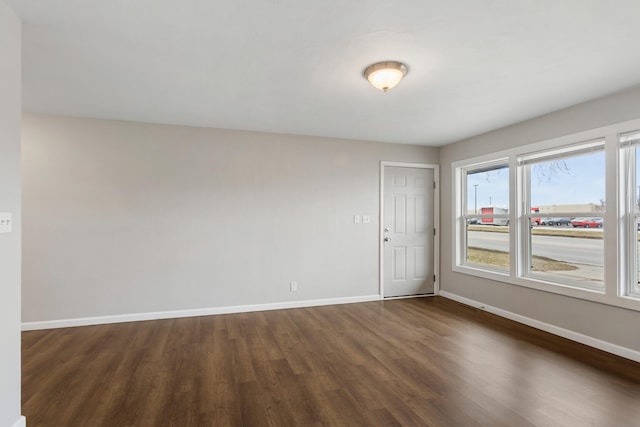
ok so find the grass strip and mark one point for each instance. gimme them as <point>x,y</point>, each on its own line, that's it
<point>495,258</point>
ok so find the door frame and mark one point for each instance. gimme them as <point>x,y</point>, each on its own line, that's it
<point>436,221</point>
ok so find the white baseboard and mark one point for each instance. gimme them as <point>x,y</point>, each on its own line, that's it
<point>22,422</point>
<point>120,318</point>
<point>618,350</point>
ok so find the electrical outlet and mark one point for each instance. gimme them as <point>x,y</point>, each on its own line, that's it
<point>293,286</point>
<point>356,219</point>
<point>5,222</point>
<point>366,219</point>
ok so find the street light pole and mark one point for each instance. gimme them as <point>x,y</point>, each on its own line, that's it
<point>475,197</point>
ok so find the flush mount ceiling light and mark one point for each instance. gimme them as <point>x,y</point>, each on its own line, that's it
<point>385,75</point>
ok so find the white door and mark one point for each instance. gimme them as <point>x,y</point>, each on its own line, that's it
<point>408,236</point>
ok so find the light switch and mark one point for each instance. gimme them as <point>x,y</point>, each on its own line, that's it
<point>5,222</point>
<point>366,219</point>
<point>356,219</point>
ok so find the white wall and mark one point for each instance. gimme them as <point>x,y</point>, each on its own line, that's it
<point>603,322</point>
<point>10,47</point>
<point>123,217</point>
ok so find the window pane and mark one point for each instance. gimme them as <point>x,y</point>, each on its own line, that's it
<point>636,187</point>
<point>574,254</point>
<point>635,287</point>
<point>487,245</point>
<point>634,212</point>
<point>488,188</point>
<point>632,140</point>
<point>569,184</point>
<point>487,238</point>
<point>569,255</point>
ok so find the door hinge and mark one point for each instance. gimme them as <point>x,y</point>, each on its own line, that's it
<point>434,185</point>
<point>434,277</point>
<point>434,231</point>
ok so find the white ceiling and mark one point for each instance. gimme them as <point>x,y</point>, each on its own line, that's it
<point>295,66</point>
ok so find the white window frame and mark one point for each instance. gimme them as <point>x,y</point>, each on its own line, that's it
<point>616,237</point>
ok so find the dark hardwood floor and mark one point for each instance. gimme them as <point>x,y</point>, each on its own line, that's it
<point>411,362</point>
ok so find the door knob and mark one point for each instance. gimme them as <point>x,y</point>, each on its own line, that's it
<point>387,239</point>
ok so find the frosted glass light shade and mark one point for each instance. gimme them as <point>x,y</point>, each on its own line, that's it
<point>385,75</point>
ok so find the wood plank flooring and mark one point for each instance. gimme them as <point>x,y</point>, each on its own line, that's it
<point>411,362</point>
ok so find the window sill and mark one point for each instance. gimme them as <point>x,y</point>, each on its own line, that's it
<point>592,295</point>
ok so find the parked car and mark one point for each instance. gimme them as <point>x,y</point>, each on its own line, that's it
<point>561,221</point>
<point>547,221</point>
<point>587,222</point>
<point>472,221</point>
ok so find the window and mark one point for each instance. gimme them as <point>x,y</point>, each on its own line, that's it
<point>485,216</point>
<point>630,145</point>
<point>560,216</point>
<point>565,196</point>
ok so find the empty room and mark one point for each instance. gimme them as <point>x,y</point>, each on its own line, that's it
<point>287,213</point>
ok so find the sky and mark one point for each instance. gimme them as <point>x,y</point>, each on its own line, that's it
<point>578,180</point>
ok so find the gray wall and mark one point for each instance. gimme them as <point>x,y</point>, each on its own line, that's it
<point>10,46</point>
<point>123,217</point>
<point>600,321</point>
